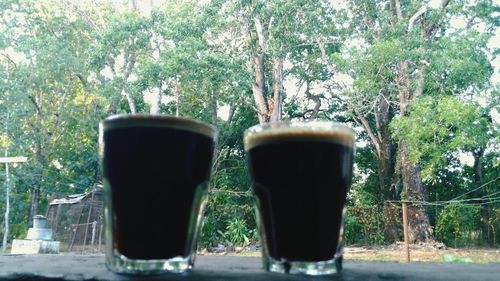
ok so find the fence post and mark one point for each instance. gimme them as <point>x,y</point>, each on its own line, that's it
<point>405,230</point>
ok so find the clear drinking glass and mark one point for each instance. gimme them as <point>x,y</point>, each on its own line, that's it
<point>155,170</point>
<point>301,173</point>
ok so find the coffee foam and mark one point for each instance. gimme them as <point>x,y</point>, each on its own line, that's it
<point>158,121</point>
<point>339,135</point>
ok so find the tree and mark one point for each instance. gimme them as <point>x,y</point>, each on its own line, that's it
<point>453,125</point>
<point>397,62</point>
<point>44,82</point>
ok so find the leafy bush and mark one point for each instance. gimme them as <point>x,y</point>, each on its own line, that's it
<point>237,232</point>
<point>364,225</point>
<point>459,224</point>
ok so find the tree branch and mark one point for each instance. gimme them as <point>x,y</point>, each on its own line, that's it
<point>83,14</point>
<point>10,60</point>
<point>84,83</point>
<point>371,135</point>
<point>277,88</point>
<point>259,87</point>
<point>397,10</point>
<point>378,124</point>
<point>324,56</point>
<point>32,99</point>
<point>232,110</point>
<point>431,30</point>
<point>416,16</point>
<point>260,33</point>
<point>304,114</point>
<point>243,100</point>
<point>316,99</point>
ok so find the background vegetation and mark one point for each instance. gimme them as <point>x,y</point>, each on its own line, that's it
<point>416,79</point>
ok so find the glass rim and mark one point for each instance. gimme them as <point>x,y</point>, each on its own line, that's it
<point>329,131</point>
<point>158,121</point>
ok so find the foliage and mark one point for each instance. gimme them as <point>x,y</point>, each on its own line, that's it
<point>458,224</point>
<point>364,225</point>
<point>65,65</point>
<point>450,125</point>
<point>237,232</point>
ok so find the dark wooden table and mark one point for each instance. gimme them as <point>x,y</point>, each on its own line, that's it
<point>231,268</point>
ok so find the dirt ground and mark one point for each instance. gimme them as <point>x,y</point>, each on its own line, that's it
<point>423,254</point>
<point>417,253</point>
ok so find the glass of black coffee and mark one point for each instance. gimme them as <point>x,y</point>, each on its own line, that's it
<point>301,172</point>
<point>155,170</point>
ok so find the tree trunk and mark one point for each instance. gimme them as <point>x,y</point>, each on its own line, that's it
<point>39,160</point>
<point>277,88</point>
<point>386,169</point>
<point>177,96</point>
<point>419,224</point>
<point>156,102</point>
<point>478,180</point>
<point>130,100</point>
<point>128,66</point>
<point>420,229</point>
<point>113,106</point>
<point>259,87</point>
<point>380,139</point>
<point>213,102</point>
<point>232,110</point>
<point>37,184</point>
<point>7,204</point>
<point>386,166</point>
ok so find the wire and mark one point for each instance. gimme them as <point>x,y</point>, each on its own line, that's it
<point>443,203</point>
<point>494,193</point>
<point>483,185</point>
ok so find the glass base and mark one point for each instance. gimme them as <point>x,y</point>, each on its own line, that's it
<point>124,265</point>
<point>332,266</point>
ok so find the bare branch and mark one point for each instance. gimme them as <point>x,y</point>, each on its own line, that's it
<point>84,82</point>
<point>213,103</point>
<point>10,60</point>
<point>260,33</point>
<point>62,102</point>
<point>443,4</point>
<point>377,121</point>
<point>277,89</point>
<point>232,110</point>
<point>470,22</point>
<point>366,125</point>
<point>303,115</point>
<point>83,14</point>
<point>316,99</point>
<point>324,56</point>
<point>243,100</point>
<point>432,29</point>
<point>397,10</point>
<point>416,16</point>
<point>420,82</point>
<point>269,28</point>
<point>32,99</point>
<point>130,100</point>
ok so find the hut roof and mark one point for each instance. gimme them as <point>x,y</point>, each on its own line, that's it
<point>75,198</point>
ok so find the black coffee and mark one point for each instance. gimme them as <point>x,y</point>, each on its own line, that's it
<point>300,182</point>
<point>154,174</point>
